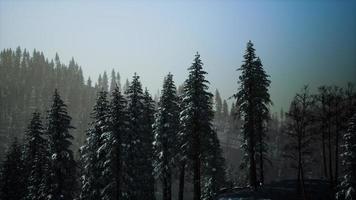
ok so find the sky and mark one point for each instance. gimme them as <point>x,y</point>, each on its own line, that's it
<point>299,42</point>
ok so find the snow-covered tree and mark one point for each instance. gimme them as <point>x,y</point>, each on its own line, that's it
<point>92,181</point>
<point>148,138</point>
<point>139,181</point>
<point>253,100</point>
<point>36,159</point>
<point>63,166</point>
<point>113,147</point>
<point>196,128</point>
<point>347,187</point>
<point>166,129</point>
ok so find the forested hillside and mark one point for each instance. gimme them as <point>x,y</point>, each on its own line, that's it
<point>27,82</point>
<point>57,129</point>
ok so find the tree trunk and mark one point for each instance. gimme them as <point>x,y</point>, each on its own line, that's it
<point>330,156</point>
<point>118,177</point>
<point>252,169</point>
<point>324,153</point>
<point>166,179</point>
<point>337,130</point>
<point>167,186</point>
<point>261,155</point>
<point>181,181</point>
<point>196,169</point>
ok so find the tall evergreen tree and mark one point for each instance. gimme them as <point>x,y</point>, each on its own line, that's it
<point>148,138</point>
<point>253,100</point>
<point>218,104</point>
<point>105,83</point>
<point>347,187</point>
<point>92,181</point>
<point>138,150</point>
<point>12,179</point>
<point>225,110</point>
<point>166,129</point>
<point>113,83</point>
<point>63,166</point>
<point>113,143</point>
<point>36,159</point>
<point>196,118</point>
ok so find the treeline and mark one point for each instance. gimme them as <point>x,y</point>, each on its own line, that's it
<point>130,146</point>
<point>139,148</point>
<point>27,83</point>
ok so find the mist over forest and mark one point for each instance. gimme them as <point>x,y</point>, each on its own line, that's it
<point>303,143</point>
<point>178,100</point>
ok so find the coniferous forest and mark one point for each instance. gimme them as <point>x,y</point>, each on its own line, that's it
<point>65,138</point>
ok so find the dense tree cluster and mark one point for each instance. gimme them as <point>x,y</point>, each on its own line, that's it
<point>186,143</point>
<point>27,82</point>
<point>43,167</point>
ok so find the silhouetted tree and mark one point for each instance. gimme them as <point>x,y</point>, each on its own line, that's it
<point>299,130</point>
<point>196,118</point>
<point>253,100</point>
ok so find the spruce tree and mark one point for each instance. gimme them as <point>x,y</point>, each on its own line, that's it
<point>225,110</point>
<point>218,105</point>
<point>63,166</point>
<point>139,181</point>
<point>113,143</point>
<point>148,138</point>
<point>92,179</point>
<point>347,187</point>
<point>113,83</point>
<point>253,100</point>
<point>12,174</point>
<point>166,129</point>
<point>36,159</point>
<point>105,82</point>
<point>196,119</point>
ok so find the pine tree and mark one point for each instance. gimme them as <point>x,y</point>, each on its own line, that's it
<point>196,118</point>
<point>12,179</point>
<point>253,100</point>
<point>92,179</point>
<point>36,159</point>
<point>262,103</point>
<point>63,166</point>
<point>113,83</point>
<point>166,129</point>
<point>139,178</point>
<point>225,110</point>
<point>148,138</point>
<point>347,187</point>
<point>113,143</point>
<point>118,80</point>
<point>105,83</point>
<point>218,104</point>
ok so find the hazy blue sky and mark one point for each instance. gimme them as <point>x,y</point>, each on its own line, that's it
<point>299,42</point>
